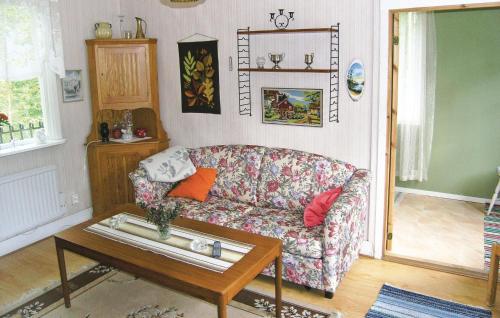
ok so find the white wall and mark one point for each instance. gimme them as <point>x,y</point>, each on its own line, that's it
<point>349,140</point>
<point>77,19</point>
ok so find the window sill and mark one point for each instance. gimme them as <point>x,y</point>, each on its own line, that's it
<point>29,147</point>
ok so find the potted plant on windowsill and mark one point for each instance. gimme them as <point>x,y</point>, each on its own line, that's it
<point>162,215</point>
<point>4,120</point>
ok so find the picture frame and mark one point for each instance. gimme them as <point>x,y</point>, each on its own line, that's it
<point>292,106</point>
<point>72,86</point>
<point>356,79</point>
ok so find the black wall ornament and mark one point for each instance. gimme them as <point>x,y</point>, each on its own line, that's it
<point>281,20</point>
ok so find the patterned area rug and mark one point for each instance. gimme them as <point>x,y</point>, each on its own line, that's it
<point>105,292</point>
<point>394,302</point>
<point>491,232</point>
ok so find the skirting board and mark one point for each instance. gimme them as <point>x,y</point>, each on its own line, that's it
<point>43,231</point>
<point>366,249</point>
<point>444,195</point>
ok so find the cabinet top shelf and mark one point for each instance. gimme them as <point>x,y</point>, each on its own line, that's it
<point>121,41</point>
<point>245,31</point>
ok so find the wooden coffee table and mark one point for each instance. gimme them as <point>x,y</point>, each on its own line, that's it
<point>214,287</point>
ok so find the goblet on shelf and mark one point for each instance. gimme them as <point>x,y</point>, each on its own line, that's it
<point>276,58</point>
<point>308,59</point>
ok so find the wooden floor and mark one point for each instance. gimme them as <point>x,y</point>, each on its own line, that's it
<point>36,266</point>
<point>432,228</point>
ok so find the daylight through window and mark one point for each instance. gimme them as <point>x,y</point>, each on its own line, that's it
<point>30,60</point>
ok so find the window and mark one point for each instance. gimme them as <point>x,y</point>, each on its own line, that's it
<point>30,60</point>
<point>20,101</point>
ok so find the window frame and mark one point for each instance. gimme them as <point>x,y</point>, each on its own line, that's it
<point>51,63</point>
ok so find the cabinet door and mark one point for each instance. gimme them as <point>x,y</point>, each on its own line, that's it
<point>123,76</point>
<point>110,183</point>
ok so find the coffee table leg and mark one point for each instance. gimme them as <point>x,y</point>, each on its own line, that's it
<point>278,264</point>
<point>64,278</point>
<point>221,309</point>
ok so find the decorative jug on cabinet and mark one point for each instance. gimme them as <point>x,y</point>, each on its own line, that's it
<point>103,30</point>
<point>140,33</point>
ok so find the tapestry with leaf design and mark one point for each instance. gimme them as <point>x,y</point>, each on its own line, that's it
<point>199,77</point>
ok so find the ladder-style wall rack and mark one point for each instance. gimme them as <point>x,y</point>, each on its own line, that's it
<point>244,69</point>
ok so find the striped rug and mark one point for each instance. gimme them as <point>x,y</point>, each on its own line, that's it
<point>394,302</point>
<point>491,233</point>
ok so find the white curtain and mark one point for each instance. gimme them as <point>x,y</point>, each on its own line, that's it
<point>416,94</point>
<point>31,46</point>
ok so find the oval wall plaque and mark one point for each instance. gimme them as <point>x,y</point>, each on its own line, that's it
<point>356,79</point>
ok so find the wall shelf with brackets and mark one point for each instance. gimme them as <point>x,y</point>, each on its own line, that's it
<point>311,30</point>
<point>288,70</point>
<point>244,69</point>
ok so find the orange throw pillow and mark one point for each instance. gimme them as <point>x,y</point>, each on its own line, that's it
<point>196,186</point>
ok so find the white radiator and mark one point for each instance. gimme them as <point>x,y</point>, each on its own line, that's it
<point>28,200</point>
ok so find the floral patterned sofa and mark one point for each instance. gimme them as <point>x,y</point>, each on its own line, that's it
<point>265,190</point>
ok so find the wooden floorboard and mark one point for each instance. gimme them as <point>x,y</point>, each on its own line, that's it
<point>428,228</point>
<point>36,266</point>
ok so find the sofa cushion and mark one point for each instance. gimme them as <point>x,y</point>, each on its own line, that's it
<point>214,210</point>
<point>196,186</point>
<point>290,179</point>
<point>316,211</point>
<point>285,225</point>
<point>238,169</point>
<point>170,165</point>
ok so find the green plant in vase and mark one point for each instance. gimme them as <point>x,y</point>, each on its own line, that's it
<point>162,215</point>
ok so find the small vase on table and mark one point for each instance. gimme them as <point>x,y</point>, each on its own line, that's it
<point>164,231</point>
<point>162,215</point>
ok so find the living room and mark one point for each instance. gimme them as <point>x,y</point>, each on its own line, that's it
<point>307,50</point>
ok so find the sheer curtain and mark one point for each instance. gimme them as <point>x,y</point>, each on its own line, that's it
<point>30,47</point>
<point>416,94</point>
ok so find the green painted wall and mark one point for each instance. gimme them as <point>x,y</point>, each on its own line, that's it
<point>466,145</point>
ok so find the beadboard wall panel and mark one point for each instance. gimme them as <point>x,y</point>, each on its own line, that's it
<point>77,19</point>
<point>348,140</point>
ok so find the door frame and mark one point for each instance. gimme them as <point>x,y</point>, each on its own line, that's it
<point>387,116</point>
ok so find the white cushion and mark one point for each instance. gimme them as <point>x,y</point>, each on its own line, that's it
<point>170,165</point>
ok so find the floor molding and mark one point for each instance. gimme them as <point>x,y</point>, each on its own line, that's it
<point>41,232</point>
<point>444,195</point>
<point>366,249</point>
<point>434,265</point>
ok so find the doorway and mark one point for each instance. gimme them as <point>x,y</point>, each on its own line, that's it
<point>433,216</point>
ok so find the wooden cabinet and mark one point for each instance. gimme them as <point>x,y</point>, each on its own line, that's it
<point>110,168</point>
<point>123,77</point>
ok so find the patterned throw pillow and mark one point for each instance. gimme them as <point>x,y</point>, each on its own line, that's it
<point>170,165</point>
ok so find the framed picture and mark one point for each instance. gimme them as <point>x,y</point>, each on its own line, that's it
<point>72,86</point>
<point>356,79</point>
<point>292,106</point>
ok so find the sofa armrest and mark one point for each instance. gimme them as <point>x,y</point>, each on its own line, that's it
<point>147,191</point>
<point>344,229</point>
